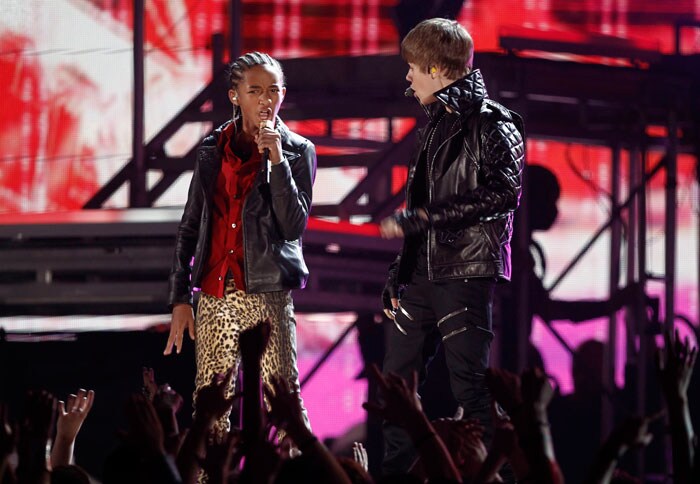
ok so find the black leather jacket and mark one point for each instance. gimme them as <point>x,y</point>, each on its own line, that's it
<point>473,187</point>
<point>274,218</point>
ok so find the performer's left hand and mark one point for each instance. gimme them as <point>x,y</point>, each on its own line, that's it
<point>271,139</point>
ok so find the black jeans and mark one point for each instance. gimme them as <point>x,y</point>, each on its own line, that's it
<point>456,313</point>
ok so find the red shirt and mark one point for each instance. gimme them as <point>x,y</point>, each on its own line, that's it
<point>233,184</point>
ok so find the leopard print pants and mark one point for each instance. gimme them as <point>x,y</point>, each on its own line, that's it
<point>219,323</point>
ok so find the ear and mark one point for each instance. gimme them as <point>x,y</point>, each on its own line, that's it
<point>233,97</point>
<point>283,91</point>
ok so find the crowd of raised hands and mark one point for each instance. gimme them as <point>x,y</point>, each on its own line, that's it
<point>276,446</point>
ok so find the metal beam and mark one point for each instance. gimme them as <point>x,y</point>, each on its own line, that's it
<point>137,187</point>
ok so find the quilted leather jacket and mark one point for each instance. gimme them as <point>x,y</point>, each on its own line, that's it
<point>473,188</point>
<point>274,218</point>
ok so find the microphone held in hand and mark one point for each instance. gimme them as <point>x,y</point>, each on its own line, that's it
<point>266,152</point>
<point>409,92</point>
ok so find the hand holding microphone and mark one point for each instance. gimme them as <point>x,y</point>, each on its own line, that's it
<point>270,145</point>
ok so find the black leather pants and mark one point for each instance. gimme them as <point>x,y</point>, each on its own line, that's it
<point>456,313</point>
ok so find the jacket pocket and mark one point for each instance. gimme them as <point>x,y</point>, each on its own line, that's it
<point>449,237</point>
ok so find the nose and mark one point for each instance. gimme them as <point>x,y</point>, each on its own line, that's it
<point>409,77</point>
<point>264,99</point>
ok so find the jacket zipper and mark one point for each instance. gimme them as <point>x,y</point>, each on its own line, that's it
<point>430,180</point>
<point>429,171</point>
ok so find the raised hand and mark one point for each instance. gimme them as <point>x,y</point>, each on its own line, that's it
<point>72,414</point>
<point>285,407</point>
<point>167,399</point>
<point>675,366</point>
<point>35,429</point>
<point>211,401</point>
<point>535,388</point>
<point>150,387</point>
<point>463,439</point>
<point>253,341</point>
<point>145,429</point>
<point>401,404</point>
<point>402,407</point>
<point>223,457</point>
<point>211,404</point>
<point>182,320</point>
<point>633,432</point>
<point>505,388</point>
<point>505,440</point>
<point>359,454</point>
<point>39,417</point>
<point>163,397</point>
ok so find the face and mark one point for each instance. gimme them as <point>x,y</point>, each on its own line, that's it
<point>259,95</point>
<point>424,84</point>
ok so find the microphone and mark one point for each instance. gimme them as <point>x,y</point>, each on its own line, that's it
<point>266,152</point>
<point>409,92</point>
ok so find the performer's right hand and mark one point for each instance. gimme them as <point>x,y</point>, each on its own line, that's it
<point>183,318</point>
<point>391,314</point>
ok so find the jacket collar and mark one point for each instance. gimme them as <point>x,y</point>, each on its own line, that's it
<point>460,96</point>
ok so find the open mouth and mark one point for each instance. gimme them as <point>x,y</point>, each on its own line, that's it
<point>265,115</point>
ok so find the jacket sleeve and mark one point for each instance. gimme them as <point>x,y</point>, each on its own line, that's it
<point>291,185</point>
<point>179,290</point>
<point>501,157</point>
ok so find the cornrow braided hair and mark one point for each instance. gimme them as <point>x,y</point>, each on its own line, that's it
<point>245,62</point>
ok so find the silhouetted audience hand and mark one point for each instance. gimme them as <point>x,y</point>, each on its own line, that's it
<point>8,442</point>
<point>35,430</point>
<point>141,457</point>
<point>504,447</point>
<point>145,430</point>
<point>535,388</point>
<point>253,341</point>
<point>675,365</point>
<point>211,400</point>
<point>71,415</point>
<point>150,387</point>
<point>674,369</point>
<point>285,408</point>
<point>401,407</point>
<point>632,433</point>
<point>211,404</point>
<point>526,398</point>
<point>167,403</point>
<point>463,439</point>
<point>222,458</point>
<point>286,413</point>
<point>505,388</point>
